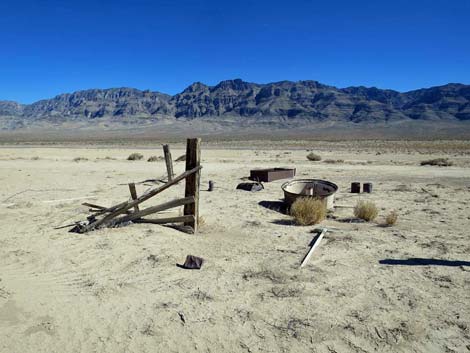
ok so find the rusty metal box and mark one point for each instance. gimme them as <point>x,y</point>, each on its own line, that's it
<point>271,174</point>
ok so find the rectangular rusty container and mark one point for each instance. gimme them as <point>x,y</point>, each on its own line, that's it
<point>271,174</point>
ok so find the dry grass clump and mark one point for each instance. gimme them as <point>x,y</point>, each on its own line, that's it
<point>154,159</point>
<point>135,157</point>
<point>35,158</point>
<point>181,158</point>
<point>308,211</point>
<point>333,161</point>
<point>440,162</point>
<point>366,210</point>
<point>313,157</point>
<point>80,159</point>
<point>391,218</point>
<point>201,222</point>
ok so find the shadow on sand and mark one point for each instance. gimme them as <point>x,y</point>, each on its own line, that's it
<point>424,262</point>
<point>278,206</point>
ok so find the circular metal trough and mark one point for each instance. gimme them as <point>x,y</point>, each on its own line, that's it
<point>321,189</point>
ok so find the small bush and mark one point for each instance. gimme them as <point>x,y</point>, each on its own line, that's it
<point>135,157</point>
<point>391,218</point>
<point>440,162</point>
<point>201,221</point>
<point>154,159</point>
<point>308,211</point>
<point>35,158</point>
<point>366,210</point>
<point>80,159</point>
<point>313,157</point>
<point>181,158</point>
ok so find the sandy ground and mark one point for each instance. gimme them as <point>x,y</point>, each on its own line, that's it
<point>119,290</point>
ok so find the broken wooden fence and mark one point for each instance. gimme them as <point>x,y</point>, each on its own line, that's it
<point>121,214</point>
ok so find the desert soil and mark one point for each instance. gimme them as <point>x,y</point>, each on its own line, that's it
<point>367,288</point>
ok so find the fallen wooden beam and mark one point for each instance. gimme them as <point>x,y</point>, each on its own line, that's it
<point>99,210</point>
<point>129,204</point>
<point>178,219</point>
<point>313,247</point>
<point>94,206</point>
<point>154,209</point>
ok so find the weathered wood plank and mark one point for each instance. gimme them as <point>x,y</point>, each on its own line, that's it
<point>178,219</point>
<point>168,161</point>
<point>133,195</point>
<point>193,160</point>
<point>94,206</point>
<point>158,208</point>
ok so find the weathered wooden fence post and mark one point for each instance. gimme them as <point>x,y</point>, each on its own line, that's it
<point>133,195</point>
<point>193,160</point>
<point>169,162</point>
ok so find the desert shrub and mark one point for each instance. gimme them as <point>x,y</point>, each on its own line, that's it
<point>391,218</point>
<point>366,210</point>
<point>80,159</point>
<point>135,157</point>
<point>154,159</point>
<point>35,158</point>
<point>181,158</point>
<point>308,210</point>
<point>440,162</point>
<point>333,161</point>
<point>201,221</point>
<point>313,157</point>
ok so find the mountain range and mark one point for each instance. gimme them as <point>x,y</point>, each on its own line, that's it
<point>308,101</point>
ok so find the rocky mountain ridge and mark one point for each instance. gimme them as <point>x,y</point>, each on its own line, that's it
<point>286,100</point>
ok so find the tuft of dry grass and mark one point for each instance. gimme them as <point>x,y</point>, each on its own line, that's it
<point>366,210</point>
<point>80,159</point>
<point>201,221</point>
<point>35,158</point>
<point>440,162</point>
<point>313,157</point>
<point>308,211</point>
<point>135,157</point>
<point>154,159</point>
<point>391,218</point>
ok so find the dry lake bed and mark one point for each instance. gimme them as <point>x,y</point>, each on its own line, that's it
<point>367,288</point>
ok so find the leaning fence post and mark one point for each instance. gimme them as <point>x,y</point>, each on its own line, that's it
<point>133,195</point>
<point>193,159</point>
<point>168,161</point>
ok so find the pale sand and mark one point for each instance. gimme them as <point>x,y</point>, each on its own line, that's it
<point>118,290</point>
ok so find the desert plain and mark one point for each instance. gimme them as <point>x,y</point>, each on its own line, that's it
<point>367,288</point>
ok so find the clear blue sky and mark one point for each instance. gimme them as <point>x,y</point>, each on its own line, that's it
<point>52,47</point>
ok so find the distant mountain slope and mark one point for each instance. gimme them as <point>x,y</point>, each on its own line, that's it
<point>8,108</point>
<point>97,103</point>
<point>285,100</point>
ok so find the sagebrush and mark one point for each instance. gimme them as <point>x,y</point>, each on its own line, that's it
<point>391,218</point>
<point>308,211</point>
<point>135,156</point>
<point>366,210</point>
<point>154,159</point>
<point>313,157</point>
